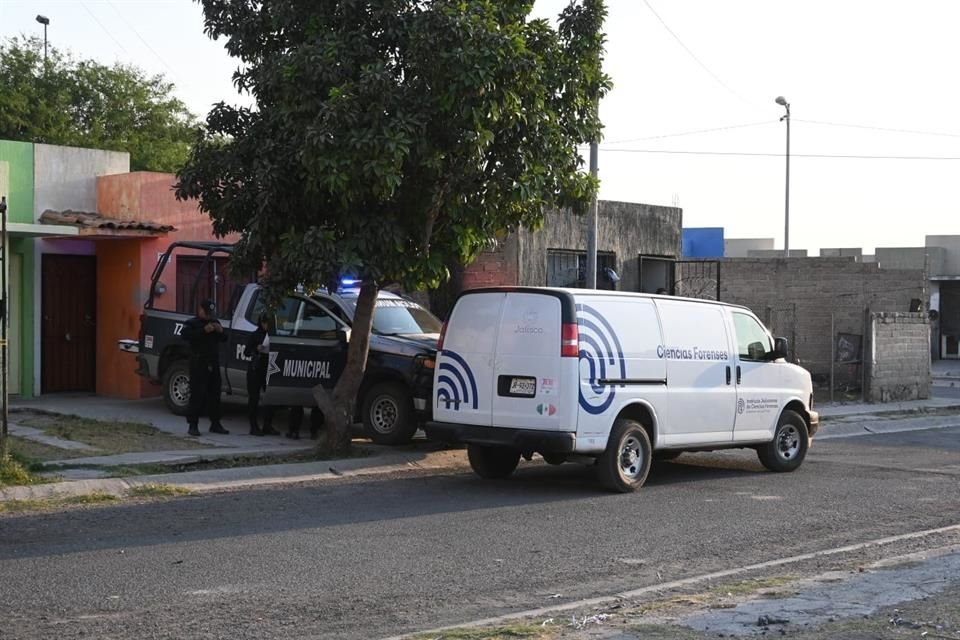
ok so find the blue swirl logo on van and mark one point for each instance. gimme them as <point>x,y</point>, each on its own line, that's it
<point>602,355</point>
<point>456,385</point>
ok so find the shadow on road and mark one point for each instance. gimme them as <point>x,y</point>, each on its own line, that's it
<point>312,506</point>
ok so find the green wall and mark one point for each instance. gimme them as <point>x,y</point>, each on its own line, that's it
<point>19,192</point>
<point>20,195</point>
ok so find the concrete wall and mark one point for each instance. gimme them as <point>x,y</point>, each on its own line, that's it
<point>66,177</point>
<point>16,182</point>
<point>899,364</point>
<point>950,264</point>
<point>775,253</point>
<point>124,268</point>
<point>841,253</point>
<point>796,298</point>
<point>625,229</point>
<point>928,259</point>
<point>740,247</point>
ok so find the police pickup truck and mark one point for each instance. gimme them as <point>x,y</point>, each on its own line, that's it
<point>308,343</point>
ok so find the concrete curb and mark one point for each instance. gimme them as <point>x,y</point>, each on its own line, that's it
<point>261,476</point>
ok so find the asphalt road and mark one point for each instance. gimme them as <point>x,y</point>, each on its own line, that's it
<point>367,559</point>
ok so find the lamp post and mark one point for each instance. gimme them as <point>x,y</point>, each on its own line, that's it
<point>786,207</point>
<point>45,21</point>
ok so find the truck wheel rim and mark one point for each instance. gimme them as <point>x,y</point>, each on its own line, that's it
<point>180,389</point>
<point>383,414</point>
<point>631,458</point>
<point>788,443</point>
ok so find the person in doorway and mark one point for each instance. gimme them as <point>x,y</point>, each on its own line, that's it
<point>204,334</point>
<point>257,351</point>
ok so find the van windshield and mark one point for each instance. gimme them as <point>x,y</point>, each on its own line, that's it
<point>397,317</point>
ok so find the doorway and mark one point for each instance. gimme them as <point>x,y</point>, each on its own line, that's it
<point>68,309</point>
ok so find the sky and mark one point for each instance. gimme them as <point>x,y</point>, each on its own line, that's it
<point>691,120</point>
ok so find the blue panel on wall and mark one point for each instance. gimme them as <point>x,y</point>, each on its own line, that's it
<point>703,242</point>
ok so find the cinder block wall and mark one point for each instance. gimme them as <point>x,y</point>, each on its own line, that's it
<point>898,366</point>
<point>795,298</point>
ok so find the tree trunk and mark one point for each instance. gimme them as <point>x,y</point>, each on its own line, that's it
<point>339,406</point>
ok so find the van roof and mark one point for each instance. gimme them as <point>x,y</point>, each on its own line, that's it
<point>579,293</point>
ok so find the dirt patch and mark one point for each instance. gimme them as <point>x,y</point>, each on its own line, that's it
<point>107,438</point>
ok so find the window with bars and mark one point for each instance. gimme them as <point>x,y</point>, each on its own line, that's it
<point>569,268</point>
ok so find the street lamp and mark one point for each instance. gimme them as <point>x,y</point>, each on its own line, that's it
<point>45,21</point>
<point>786,207</point>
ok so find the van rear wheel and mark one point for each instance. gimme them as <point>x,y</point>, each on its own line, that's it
<point>492,463</point>
<point>789,445</point>
<point>625,464</point>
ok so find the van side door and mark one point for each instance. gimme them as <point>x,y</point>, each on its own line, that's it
<point>701,398</point>
<point>759,381</point>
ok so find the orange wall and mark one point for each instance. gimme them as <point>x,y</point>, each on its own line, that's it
<point>118,316</point>
<point>125,266</point>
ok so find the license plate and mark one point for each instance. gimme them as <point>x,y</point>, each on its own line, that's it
<point>523,387</point>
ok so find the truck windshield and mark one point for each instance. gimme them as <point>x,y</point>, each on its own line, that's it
<point>395,316</point>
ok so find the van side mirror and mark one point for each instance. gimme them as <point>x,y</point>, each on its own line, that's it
<point>779,349</point>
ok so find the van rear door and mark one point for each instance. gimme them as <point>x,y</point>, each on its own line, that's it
<point>464,373</point>
<point>532,390</point>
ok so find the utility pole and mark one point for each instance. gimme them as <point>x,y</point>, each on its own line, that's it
<point>45,21</point>
<point>4,440</point>
<point>786,207</point>
<point>592,223</point>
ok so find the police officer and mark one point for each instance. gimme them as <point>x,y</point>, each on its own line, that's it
<point>204,335</point>
<point>257,350</point>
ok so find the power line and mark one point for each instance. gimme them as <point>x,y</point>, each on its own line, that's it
<point>780,155</point>
<point>692,54</point>
<point>694,132</point>
<point>872,128</point>
<point>137,33</point>
<point>105,30</point>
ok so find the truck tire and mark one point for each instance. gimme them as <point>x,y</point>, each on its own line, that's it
<point>789,445</point>
<point>624,466</point>
<point>387,413</point>
<point>176,387</point>
<point>492,463</point>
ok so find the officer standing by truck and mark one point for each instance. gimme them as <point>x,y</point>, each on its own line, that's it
<point>257,350</point>
<point>204,334</point>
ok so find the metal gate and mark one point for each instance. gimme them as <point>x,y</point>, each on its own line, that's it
<point>697,279</point>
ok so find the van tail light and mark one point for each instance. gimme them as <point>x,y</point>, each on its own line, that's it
<point>443,334</point>
<point>569,341</point>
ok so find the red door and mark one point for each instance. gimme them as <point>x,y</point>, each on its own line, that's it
<point>69,332</point>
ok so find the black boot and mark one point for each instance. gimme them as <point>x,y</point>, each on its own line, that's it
<point>193,430</point>
<point>218,428</point>
<point>254,429</point>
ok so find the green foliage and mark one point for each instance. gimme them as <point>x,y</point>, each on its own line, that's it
<point>87,104</point>
<point>393,139</point>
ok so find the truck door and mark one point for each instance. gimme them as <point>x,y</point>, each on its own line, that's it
<point>759,383</point>
<point>307,349</point>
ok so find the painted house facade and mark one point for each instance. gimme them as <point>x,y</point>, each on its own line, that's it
<point>84,237</point>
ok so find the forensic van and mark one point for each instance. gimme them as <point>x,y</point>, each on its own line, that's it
<point>614,379</point>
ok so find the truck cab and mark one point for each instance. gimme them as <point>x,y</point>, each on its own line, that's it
<point>308,345</point>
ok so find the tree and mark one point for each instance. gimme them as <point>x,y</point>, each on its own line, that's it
<point>392,139</point>
<point>88,104</point>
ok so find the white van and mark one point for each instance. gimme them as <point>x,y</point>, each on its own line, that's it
<point>616,379</point>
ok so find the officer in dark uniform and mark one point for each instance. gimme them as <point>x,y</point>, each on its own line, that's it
<point>257,349</point>
<point>204,334</point>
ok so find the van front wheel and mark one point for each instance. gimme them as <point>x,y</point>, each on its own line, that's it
<point>493,463</point>
<point>625,464</point>
<point>789,445</point>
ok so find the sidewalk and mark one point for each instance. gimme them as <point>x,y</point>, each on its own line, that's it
<point>838,420</point>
